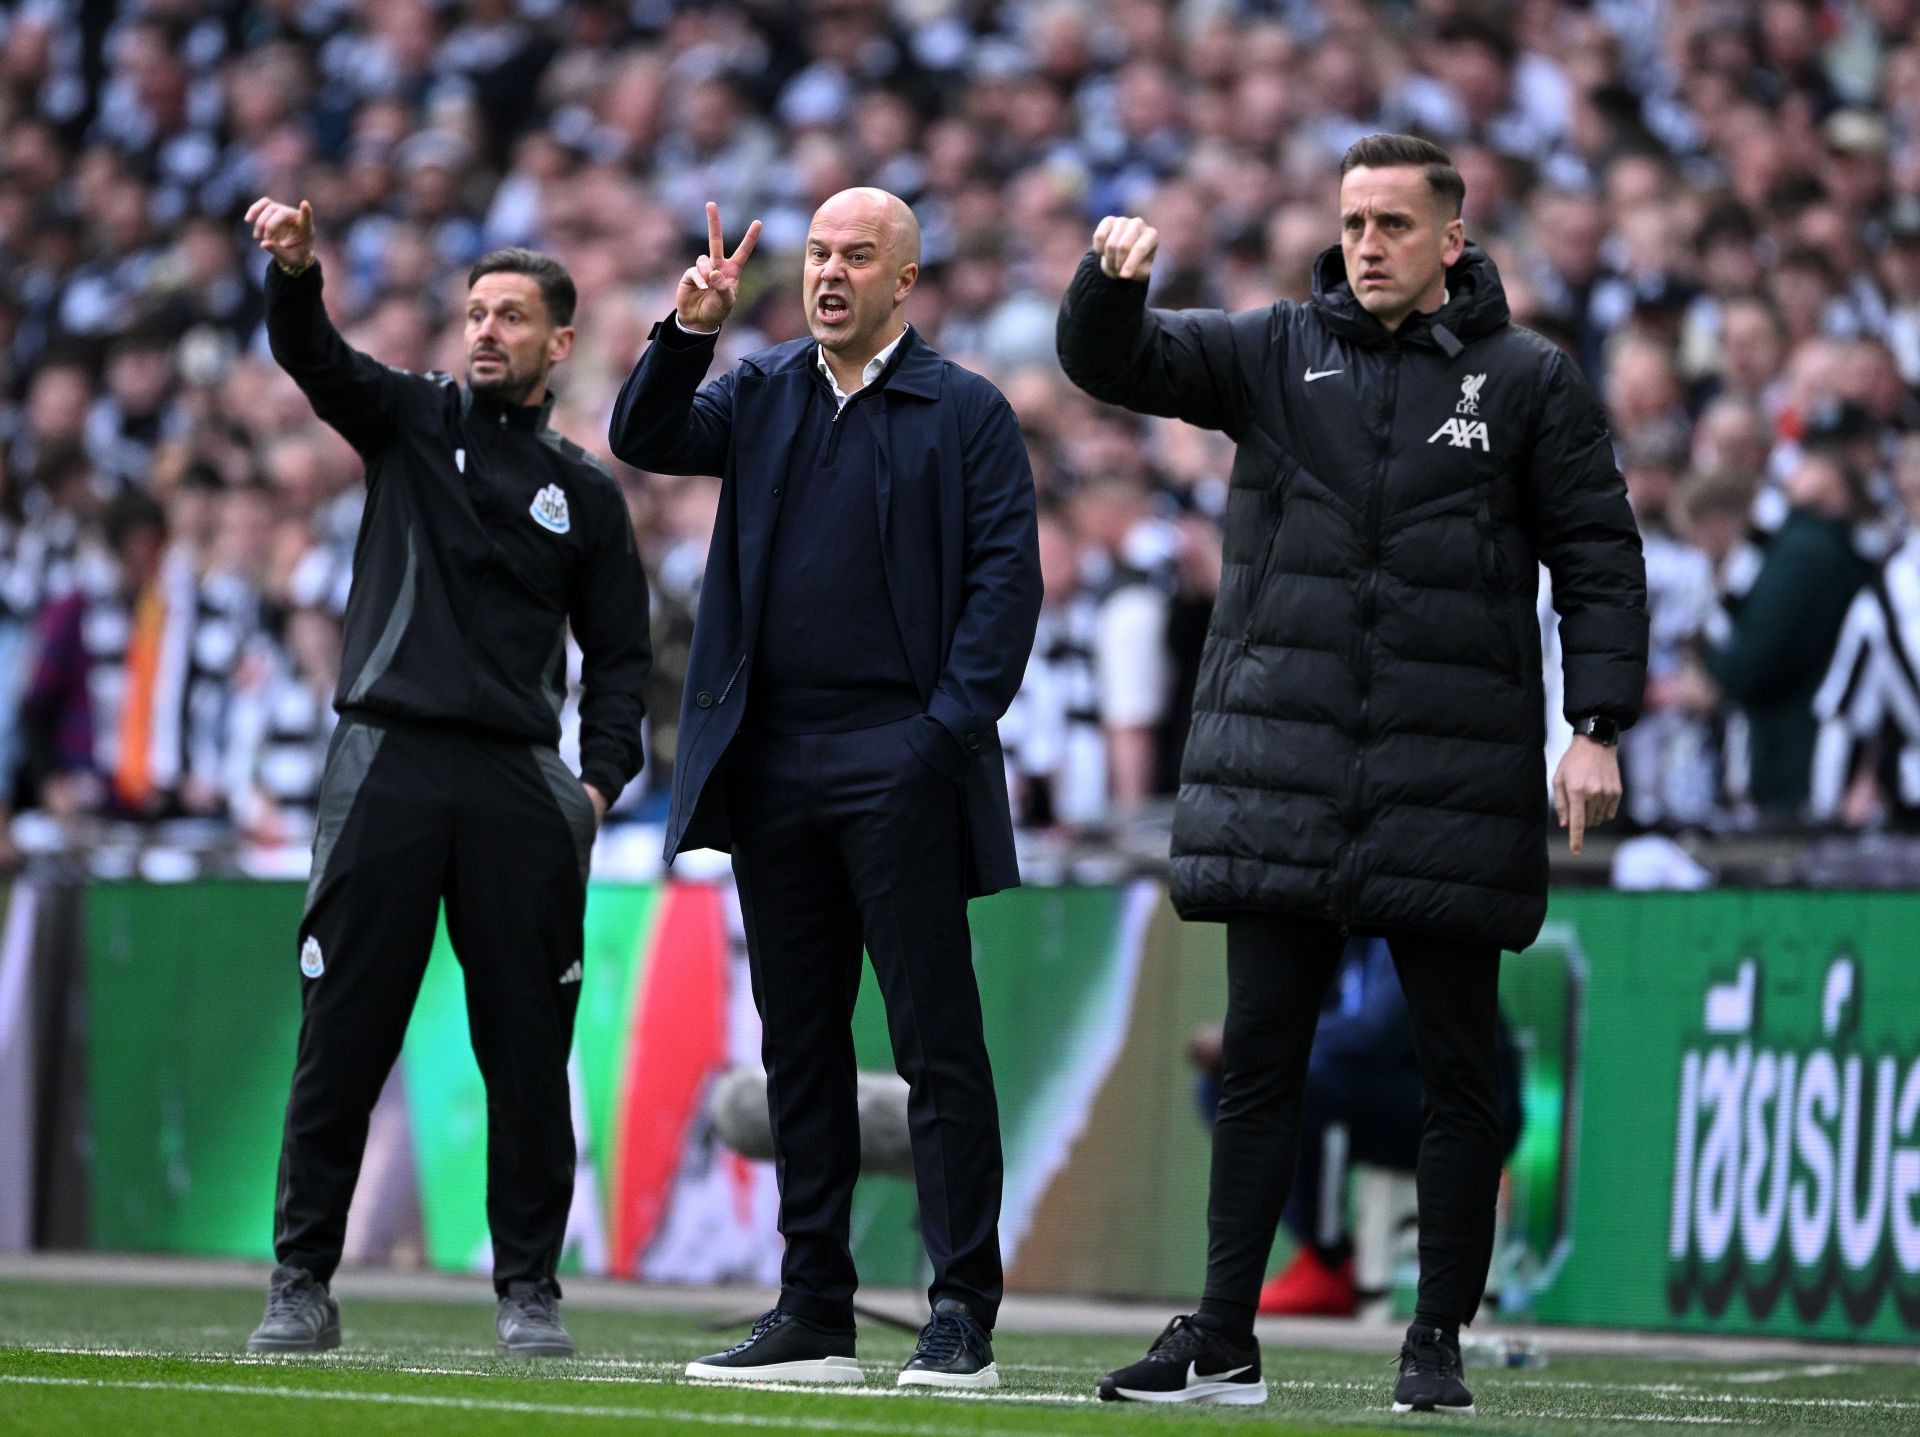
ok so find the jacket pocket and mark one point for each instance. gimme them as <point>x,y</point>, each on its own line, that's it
<point>1496,582</point>
<point>1493,569</point>
<point>570,797</point>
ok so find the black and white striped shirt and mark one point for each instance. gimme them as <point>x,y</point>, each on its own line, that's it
<point>1055,747</point>
<point>1873,685</point>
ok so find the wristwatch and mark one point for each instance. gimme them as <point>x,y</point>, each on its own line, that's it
<point>1603,731</point>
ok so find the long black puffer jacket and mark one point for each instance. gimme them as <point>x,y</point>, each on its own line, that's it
<point>1368,741</point>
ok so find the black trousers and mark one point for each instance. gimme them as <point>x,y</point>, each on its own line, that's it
<point>840,840</point>
<point>1278,969</point>
<point>501,831</point>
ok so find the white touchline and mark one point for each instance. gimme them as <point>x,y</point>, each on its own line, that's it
<point>536,1409</point>
<point>1789,1374</point>
<point>1554,1415</point>
<point>638,1373</point>
<point>346,1362</point>
<point>1693,1394</point>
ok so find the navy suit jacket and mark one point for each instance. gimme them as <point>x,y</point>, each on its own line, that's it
<point>957,537</point>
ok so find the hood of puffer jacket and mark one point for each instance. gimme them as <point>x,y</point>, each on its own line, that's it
<point>1476,304</point>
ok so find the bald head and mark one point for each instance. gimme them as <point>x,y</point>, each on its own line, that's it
<point>863,256</point>
<point>866,205</point>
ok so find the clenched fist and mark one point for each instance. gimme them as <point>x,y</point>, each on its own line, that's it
<point>1125,246</point>
<point>284,232</point>
<point>711,285</point>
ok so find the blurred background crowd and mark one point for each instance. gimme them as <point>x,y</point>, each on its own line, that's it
<point>1714,206</point>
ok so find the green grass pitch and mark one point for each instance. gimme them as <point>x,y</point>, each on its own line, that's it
<point>93,1360</point>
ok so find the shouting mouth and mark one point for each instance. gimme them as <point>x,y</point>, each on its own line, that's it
<point>832,309</point>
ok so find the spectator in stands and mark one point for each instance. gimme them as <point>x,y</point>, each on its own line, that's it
<point>1055,744</point>
<point>74,696</point>
<point>19,604</point>
<point>1664,759</point>
<point>1867,760</point>
<point>688,510</point>
<point>1112,513</point>
<point>1783,634</point>
<point>1899,271</point>
<point>281,720</point>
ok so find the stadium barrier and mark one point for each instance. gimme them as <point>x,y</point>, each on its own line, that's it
<point>1723,1094</point>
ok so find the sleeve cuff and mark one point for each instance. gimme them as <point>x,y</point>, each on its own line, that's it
<point>603,777</point>
<point>309,273</point>
<point>937,748</point>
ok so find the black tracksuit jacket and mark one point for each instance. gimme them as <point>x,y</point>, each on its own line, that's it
<point>485,533</point>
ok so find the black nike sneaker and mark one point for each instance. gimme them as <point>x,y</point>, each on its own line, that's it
<point>783,1348</point>
<point>1189,1363</point>
<point>954,1351</point>
<point>1430,1379</point>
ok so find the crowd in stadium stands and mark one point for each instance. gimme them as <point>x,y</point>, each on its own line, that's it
<point>1714,206</point>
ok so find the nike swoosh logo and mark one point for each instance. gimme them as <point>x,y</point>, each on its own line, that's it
<point>1193,1368</point>
<point>1313,374</point>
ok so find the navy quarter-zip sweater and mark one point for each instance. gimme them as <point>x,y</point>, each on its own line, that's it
<point>830,658</point>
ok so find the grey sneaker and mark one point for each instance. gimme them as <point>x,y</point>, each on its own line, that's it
<point>528,1323</point>
<point>301,1315</point>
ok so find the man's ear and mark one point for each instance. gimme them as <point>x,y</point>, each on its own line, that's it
<point>561,345</point>
<point>904,285</point>
<point>1456,240</point>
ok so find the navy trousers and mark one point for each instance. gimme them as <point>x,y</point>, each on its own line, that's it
<point>842,841</point>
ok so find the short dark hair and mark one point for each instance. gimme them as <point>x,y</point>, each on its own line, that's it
<point>1469,30</point>
<point>556,285</point>
<point>128,513</point>
<point>1379,152</point>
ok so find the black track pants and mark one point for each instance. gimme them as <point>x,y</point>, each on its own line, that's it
<point>500,831</point>
<point>1278,969</point>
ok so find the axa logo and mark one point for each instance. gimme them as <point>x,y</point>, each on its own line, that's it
<point>549,509</point>
<point>1463,434</point>
<point>1470,394</point>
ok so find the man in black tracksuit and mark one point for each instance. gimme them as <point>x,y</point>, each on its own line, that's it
<point>1368,738</point>
<point>485,535</point>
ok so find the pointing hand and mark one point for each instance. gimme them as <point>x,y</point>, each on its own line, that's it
<point>284,232</point>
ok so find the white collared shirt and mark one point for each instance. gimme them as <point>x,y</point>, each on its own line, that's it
<point>840,396</point>
<point>872,372</point>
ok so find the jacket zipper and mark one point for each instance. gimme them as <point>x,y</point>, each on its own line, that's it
<point>1369,587</point>
<point>839,413</point>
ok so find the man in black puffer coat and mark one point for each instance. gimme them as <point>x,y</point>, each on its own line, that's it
<point>1367,749</point>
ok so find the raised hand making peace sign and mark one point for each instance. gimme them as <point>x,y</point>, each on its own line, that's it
<point>709,288</point>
